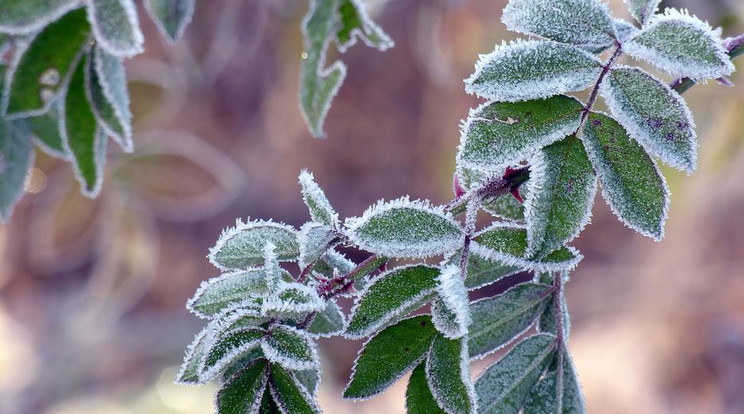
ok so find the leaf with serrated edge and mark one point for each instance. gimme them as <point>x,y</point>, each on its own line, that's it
<point>451,313</point>
<point>355,23</point>
<point>330,322</point>
<point>505,385</point>
<point>226,349</point>
<point>38,73</point>
<point>524,70</point>
<point>448,375</point>
<point>497,134</point>
<point>243,392</point>
<point>585,23</point>
<point>116,27</point>
<point>562,188</point>
<point>171,16</point>
<point>557,396</point>
<point>389,355</point>
<point>291,396</point>
<point>16,159</point>
<point>654,115</point>
<point>21,17</point>
<point>290,347</point>
<point>390,296</point>
<point>419,399</point>
<point>314,239</point>
<point>642,10</point>
<point>112,99</point>
<point>316,201</point>
<point>219,293</point>
<point>507,244</point>
<point>631,183</point>
<point>292,299</point>
<point>682,45</point>
<point>405,229</point>
<point>500,319</point>
<point>242,246</point>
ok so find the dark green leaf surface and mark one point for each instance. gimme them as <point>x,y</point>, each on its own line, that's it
<point>16,157</point>
<point>448,374</point>
<point>45,128</point>
<point>290,347</point>
<point>243,245</point>
<point>288,394</point>
<point>227,349</point>
<point>419,399</point>
<point>243,392</point>
<point>554,396</point>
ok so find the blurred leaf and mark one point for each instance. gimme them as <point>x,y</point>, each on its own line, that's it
<point>355,22</point>
<point>106,85</point>
<point>46,129</point>
<point>643,10</point>
<point>171,16</point>
<point>116,27</point>
<point>16,158</point>
<point>26,16</point>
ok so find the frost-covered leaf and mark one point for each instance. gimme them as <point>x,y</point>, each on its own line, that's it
<point>219,293</point>
<point>268,405</point>
<point>45,129</point>
<point>654,115</point>
<point>448,374</point>
<point>483,272</point>
<point>504,386</point>
<point>642,10</point>
<point>562,187</point>
<point>625,30</point>
<point>26,16</point>
<point>547,322</point>
<point>240,363</point>
<point>681,45</point>
<point>194,359</point>
<point>450,312</point>
<point>503,207</point>
<point>355,23</point>
<point>557,396</point>
<point>499,319</point>
<point>116,27</point>
<point>309,379</point>
<point>81,136</point>
<point>289,394</point>
<point>227,349</point>
<point>314,239</point>
<point>586,23</point>
<point>333,261</point>
<point>293,299</point>
<point>631,183</point>
<point>318,83</point>
<point>290,347</point>
<point>171,16</point>
<point>331,321</point>
<point>389,355</point>
<point>243,392</point>
<point>500,133</point>
<point>405,229</point>
<point>320,208</point>
<point>419,399</point>
<point>525,70</point>
<point>39,73</point>
<point>16,158</point>
<point>109,97</point>
<point>390,296</point>
<point>507,243</point>
<point>242,246</point>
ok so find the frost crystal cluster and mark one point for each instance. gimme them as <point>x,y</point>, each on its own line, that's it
<point>531,156</point>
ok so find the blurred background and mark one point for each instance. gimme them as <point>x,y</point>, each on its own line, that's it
<point>92,292</point>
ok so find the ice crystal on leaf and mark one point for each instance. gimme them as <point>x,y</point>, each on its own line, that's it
<point>289,394</point>
<point>110,98</point>
<point>642,10</point>
<point>291,348</point>
<point>227,348</point>
<point>314,240</point>
<point>243,391</point>
<point>217,294</point>
<point>557,392</point>
<point>452,315</point>
<point>320,208</point>
<point>448,374</point>
<point>242,246</point>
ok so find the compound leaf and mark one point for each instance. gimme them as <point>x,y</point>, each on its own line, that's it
<point>320,208</point>
<point>243,245</point>
<point>500,133</point>
<point>116,27</point>
<point>291,348</point>
<point>448,374</point>
<point>171,16</point>
<point>291,396</point>
<point>26,16</point>
<point>244,391</point>
<point>16,158</point>
<point>419,399</point>
<point>526,70</point>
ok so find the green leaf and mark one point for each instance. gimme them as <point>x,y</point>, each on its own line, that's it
<point>171,16</point>
<point>194,359</point>
<point>290,347</point>
<point>289,394</point>
<point>81,136</point>
<point>390,296</point>
<point>314,240</point>
<point>268,405</point>
<point>405,229</point>
<point>654,115</point>
<point>526,70</point>
<point>309,379</point>
<point>354,22</point>
<point>643,10</point>
<point>448,374</point>
<point>331,321</point>
<point>500,319</point>
<point>39,73</point>
<point>631,182</point>
<point>243,245</point>
<point>483,272</point>
<point>292,300</point>
<point>220,293</point>
<point>504,386</point>
<point>45,129</point>
<point>244,391</point>
<point>547,322</point>
<point>109,97</point>
<point>586,23</point>
<point>227,349</point>
<point>507,243</point>
<point>503,207</point>
<point>562,189</point>
<point>419,399</point>
<point>681,45</point>
<point>320,208</point>
<point>501,133</point>
<point>389,355</point>
<point>450,312</point>
<point>554,396</point>
<point>16,158</point>
<point>116,27</point>
<point>26,16</point>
